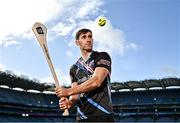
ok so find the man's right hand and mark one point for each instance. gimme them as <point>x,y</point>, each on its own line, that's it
<point>65,103</point>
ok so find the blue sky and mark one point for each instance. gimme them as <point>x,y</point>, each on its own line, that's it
<point>142,36</point>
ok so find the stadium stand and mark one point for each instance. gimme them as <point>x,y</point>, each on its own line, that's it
<point>155,101</point>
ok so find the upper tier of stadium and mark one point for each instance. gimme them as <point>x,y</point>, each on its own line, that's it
<point>13,81</point>
<point>146,84</point>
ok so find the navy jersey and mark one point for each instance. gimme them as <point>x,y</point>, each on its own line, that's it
<point>98,101</point>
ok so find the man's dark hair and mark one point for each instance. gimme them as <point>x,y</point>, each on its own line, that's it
<point>82,31</point>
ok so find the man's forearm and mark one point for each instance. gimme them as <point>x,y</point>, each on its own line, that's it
<point>94,82</point>
<point>89,85</point>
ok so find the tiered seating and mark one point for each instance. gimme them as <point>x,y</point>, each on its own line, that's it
<point>149,97</point>
<point>131,106</point>
<point>26,106</point>
<point>27,98</point>
<point>147,105</point>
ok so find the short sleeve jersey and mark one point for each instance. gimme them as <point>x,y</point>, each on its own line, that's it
<point>97,101</point>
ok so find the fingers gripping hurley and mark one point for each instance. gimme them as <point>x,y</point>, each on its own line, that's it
<point>40,32</point>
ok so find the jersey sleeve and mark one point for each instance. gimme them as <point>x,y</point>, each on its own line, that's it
<point>72,74</point>
<point>104,60</point>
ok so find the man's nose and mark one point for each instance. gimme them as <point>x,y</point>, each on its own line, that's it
<point>89,40</point>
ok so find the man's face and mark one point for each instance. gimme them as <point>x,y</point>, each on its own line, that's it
<point>85,42</point>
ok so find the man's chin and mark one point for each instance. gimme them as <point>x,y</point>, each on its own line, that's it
<point>89,50</point>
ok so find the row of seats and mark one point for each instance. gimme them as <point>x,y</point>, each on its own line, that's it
<point>42,106</point>
<point>163,96</point>
<point>27,98</point>
<point>167,96</point>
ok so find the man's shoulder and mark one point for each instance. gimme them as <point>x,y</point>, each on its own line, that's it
<point>74,65</point>
<point>102,53</point>
<point>73,68</point>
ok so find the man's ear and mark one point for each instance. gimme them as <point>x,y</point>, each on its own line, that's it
<point>77,42</point>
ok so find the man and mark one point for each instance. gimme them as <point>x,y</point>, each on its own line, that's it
<point>90,76</point>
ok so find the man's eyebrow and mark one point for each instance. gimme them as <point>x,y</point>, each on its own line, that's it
<point>83,35</point>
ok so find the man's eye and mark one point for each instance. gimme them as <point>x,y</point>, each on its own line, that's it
<point>90,36</point>
<point>83,37</point>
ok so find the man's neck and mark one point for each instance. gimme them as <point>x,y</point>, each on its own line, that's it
<point>85,55</point>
